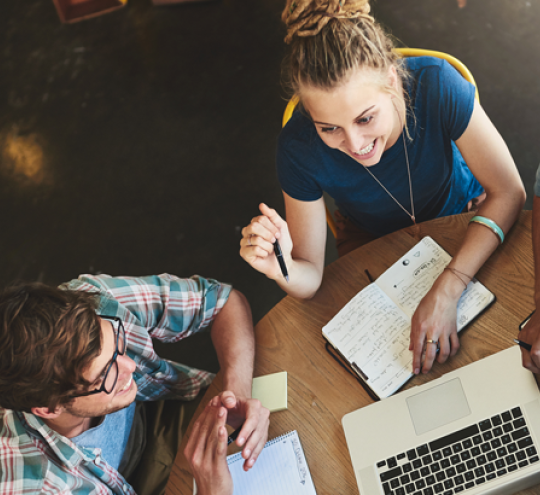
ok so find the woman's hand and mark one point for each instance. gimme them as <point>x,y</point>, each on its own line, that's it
<point>435,320</point>
<point>307,223</point>
<point>258,238</point>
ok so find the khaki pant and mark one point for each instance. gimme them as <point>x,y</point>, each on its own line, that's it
<point>153,443</point>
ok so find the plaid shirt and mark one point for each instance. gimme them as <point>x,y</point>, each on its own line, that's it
<point>35,459</point>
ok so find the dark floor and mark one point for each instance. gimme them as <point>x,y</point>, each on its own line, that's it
<point>142,141</point>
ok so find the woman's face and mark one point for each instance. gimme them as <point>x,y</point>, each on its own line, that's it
<point>357,117</point>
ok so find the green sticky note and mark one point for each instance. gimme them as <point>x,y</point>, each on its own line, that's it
<point>271,390</point>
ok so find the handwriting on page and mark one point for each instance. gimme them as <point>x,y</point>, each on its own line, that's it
<point>411,278</point>
<point>300,461</point>
<point>411,293</point>
<point>373,333</point>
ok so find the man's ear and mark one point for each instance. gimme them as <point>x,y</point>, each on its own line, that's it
<point>46,413</point>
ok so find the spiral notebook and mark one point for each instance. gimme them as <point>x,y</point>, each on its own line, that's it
<point>281,469</point>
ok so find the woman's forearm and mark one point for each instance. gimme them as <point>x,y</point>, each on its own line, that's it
<point>304,279</point>
<point>480,242</point>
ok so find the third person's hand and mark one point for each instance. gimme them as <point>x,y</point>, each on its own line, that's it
<point>531,335</point>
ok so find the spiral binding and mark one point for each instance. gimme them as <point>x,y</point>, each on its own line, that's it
<point>238,456</point>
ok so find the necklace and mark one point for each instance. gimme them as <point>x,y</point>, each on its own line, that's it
<point>411,213</point>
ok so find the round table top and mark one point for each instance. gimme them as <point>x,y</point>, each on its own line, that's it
<point>320,392</point>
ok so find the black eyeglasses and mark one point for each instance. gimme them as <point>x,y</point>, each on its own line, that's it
<point>110,377</point>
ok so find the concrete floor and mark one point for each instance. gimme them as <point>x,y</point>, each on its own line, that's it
<point>142,141</point>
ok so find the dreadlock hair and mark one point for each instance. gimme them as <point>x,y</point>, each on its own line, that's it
<point>329,39</point>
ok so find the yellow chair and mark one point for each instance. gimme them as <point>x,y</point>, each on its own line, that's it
<point>404,52</point>
<point>457,64</point>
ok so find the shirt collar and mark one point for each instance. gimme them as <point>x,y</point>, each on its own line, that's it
<point>67,452</point>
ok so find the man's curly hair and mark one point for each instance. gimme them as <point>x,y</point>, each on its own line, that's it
<point>48,338</point>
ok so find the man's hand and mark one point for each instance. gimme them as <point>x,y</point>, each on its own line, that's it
<point>206,451</point>
<point>531,335</point>
<point>255,419</point>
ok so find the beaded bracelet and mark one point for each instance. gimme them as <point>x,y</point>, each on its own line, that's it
<point>491,225</point>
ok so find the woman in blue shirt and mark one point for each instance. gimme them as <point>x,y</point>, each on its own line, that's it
<point>394,143</point>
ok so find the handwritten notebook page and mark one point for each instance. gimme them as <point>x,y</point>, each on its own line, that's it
<point>281,469</point>
<point>372,330</point>
<point>411,277</point>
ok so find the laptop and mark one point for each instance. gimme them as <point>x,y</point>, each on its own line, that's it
<point>475,430</point>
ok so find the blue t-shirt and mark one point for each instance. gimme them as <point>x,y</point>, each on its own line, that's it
<point>442,183</point>
<point>110,436</point>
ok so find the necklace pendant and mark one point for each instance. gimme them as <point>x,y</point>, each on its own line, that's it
<point>413,218</point>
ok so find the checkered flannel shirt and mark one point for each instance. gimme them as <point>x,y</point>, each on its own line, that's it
<point>35,459</point>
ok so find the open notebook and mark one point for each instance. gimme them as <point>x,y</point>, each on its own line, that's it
<point>372,331</point>
<point>281,469</point>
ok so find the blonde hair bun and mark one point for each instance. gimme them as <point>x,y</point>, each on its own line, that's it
<point>307,17</point>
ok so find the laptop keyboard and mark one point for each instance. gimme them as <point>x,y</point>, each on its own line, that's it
<point>462,460</point>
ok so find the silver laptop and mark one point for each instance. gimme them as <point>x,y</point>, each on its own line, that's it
<point>474,430</point>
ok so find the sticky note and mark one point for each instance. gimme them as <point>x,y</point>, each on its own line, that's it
<point>271,390</point>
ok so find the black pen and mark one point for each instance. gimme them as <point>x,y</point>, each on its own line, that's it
<point>281,261</point>
<point>525,346</point>
<point>234,435</point>
<point>370,278</point>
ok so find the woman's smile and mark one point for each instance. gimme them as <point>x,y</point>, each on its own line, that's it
<point>365,153</point>
<point>357,117</point>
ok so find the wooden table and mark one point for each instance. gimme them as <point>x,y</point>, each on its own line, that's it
<point>320,392</point>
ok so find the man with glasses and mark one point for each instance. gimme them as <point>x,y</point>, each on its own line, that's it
<point>74,359</point>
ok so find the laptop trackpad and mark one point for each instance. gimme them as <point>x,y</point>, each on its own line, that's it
<point>438,406</point>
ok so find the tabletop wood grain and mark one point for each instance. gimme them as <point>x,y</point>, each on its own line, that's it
<point>320,392</point>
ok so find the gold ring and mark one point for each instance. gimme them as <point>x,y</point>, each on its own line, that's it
<point>429,341</point>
